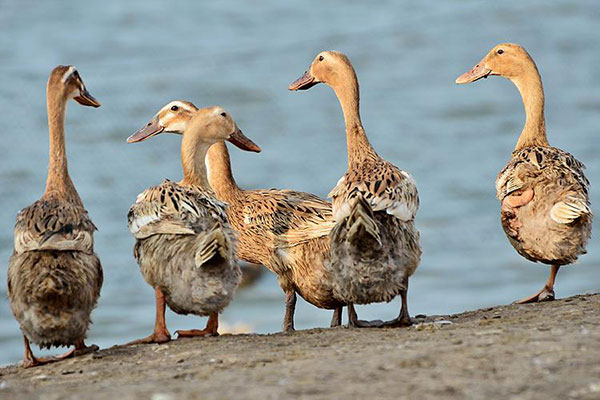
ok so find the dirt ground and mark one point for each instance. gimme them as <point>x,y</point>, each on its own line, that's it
<point>539,351</point>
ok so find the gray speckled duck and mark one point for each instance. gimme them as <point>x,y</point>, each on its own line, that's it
<point>545,207</point>
<point>375,244</point>
<point>54,276</point>
<point>185,247</point>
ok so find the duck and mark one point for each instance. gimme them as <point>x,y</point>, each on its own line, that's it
<point>285,230</point>
<point>54,276</point>
<point>543,191</point>
<point>374,244</point>
<point>185,246</point>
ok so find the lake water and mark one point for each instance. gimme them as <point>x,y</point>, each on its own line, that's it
<point>135,56</point>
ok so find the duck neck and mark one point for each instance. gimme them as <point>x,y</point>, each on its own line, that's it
<point>532,92</point>
<point>193,153</point>
<point>220,176</point>
<point>58,183</point>
<point>347,92</point>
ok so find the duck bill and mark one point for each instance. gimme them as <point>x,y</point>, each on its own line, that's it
<point>240,140</point>
<point>86,99</point>
<point>151,129</point>
<point>476,73</point>
<point>306,81</point>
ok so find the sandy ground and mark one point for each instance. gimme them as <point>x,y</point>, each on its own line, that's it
<point>539,351</point>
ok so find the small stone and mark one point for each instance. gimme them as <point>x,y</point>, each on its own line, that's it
<point>180,361</point>
<point>67,372</point>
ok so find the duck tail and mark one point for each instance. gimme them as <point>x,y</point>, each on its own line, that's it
<point>214,243</point>
<point>361,223</point>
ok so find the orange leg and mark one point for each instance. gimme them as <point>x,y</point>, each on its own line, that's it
<point>212,326</point>
<point>160,334</point>
<point>546,293</point>
<point>32,361</point>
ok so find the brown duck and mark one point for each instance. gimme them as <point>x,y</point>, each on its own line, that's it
<point>544,194</point>
<point>185,246</point>
<point>54,276</point>
<point>285,230</point>
<point>374,244</point>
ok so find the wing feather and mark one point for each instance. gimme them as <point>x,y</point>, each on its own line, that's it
<point>52,224</point>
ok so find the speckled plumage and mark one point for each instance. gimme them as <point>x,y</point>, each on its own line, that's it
<point>287,231</point>
<point>185,247</point>
<point>554,227</point>
<point>54,276</point>
<point>375,245</point>
<point>544,194</point>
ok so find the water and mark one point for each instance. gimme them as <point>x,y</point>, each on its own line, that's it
<point>136,56</point>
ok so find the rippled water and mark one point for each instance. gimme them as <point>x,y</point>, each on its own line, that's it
<point>136,56</point>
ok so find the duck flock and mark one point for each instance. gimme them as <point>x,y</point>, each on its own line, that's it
<point>360,248</point>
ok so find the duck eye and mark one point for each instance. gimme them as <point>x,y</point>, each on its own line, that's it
<point>321,58</point>
<point>174,108</point>
<point>223,114</point>
<point>500,51</point>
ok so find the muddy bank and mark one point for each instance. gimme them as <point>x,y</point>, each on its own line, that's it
<point>549,351</point>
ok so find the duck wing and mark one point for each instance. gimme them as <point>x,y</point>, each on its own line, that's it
<point>52,224</point>
<point>382,185</point>
<point>288,217</point>
<point>173,209</point>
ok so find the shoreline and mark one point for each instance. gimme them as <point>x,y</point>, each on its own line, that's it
<point>546,350</point>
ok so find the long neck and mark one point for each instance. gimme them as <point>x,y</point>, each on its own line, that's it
<point>530,87</point>
<point>193,153</point>
<point>347,92</point>
<point>59,183</point>
<point>219,172</point>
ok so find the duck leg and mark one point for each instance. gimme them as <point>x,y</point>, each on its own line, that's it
<point>354,322</point>
<point>546,293</point>
<point>31,361</point>
<point>336,319</point>
<point>290,307</point>
<point>212,326</point>
<point>160,334</point>
<point>403,319</point>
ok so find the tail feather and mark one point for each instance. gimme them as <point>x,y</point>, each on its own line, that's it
<point>361,222</point>
<point>214,243</point>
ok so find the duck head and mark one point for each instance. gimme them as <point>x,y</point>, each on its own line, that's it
<point>508,60</point>
<point>172,118</point>
<point>329,67</point>
<point>208,125</point>
<point>66,82</point>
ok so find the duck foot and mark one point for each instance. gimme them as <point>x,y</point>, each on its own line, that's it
<point>31,361</point>
<point>354,322</point>
<point>211,329</point>
<point>81,349</point>
<point>156,337</point>
<point>37,361</point>
<point>398,322</point>
<point>547,292</point>
<point>543,295</point>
